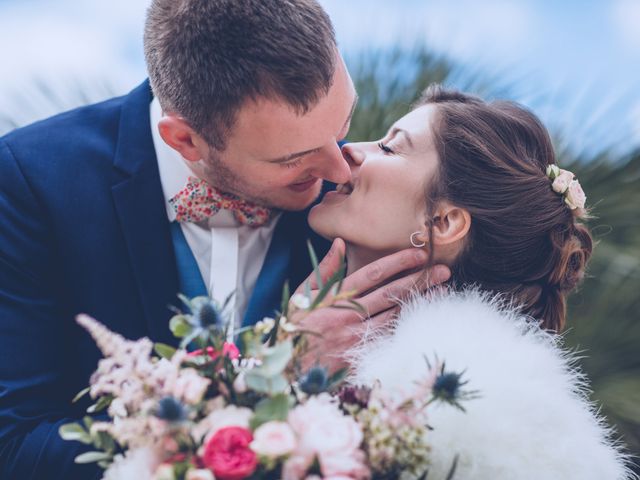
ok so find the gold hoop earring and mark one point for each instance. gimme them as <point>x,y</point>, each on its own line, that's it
<point>412,239</point>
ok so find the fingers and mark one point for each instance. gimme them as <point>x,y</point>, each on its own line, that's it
<point>327,266</point>
<point>381,270</point>
<point>387,297</point>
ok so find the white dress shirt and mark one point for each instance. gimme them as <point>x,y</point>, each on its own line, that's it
<point>229,255</point>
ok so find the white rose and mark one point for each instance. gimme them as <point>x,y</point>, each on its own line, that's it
<point>199,474</point>
<point>562,181</point>
<point>273,439</point>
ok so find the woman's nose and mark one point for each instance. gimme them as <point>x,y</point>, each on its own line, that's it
<point>353,154</point>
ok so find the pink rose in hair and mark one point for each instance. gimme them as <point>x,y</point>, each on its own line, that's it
<point>562,181</point>
<point>575,196</point>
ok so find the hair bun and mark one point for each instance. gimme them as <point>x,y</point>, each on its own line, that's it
<point>574,252</point>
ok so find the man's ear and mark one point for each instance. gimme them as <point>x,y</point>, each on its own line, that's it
<point>450,224</point>
<point>178,134</point>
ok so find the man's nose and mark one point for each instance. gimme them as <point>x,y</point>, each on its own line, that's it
<point>333,167</point>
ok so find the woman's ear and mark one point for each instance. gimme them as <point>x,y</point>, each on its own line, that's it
<point>450,224</point>
<point>178,134</point>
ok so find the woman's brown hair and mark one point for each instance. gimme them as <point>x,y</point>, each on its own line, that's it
<point>524,241</point>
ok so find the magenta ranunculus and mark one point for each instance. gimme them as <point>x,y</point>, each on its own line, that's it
<point>228,456</point>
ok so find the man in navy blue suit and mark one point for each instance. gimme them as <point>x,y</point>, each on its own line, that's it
<point>247,101</point>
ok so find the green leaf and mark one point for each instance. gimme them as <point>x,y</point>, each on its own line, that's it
<point>80,394</point>
<point>74,432</point>
<point>180,326</point>
<point>164,350</point>
<point>286,296</point>
<point>92,457</point>
<point>275,359</point>
<point>101,404</point>
<point>338,377</point>
<point>271,409</point>
<point>263,384</point>
<point>336,278</point>
<point>314,263</point>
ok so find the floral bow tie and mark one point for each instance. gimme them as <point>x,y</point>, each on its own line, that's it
<point>198,201</point>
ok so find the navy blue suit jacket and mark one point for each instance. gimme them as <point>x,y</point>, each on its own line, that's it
<point>83,228</point>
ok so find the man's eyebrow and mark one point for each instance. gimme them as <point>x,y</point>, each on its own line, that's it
<point>293,156</point>
<point>395,130</point>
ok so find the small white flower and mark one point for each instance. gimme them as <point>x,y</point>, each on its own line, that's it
<point>264,326</point>
<point>240,383</point>
<point>553,171</point>
<point>301,301</point>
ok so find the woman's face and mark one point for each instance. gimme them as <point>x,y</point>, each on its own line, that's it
<point>385,201</point>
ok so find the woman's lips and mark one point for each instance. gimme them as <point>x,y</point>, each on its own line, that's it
<point>304,186</point>
<point>333,196</point>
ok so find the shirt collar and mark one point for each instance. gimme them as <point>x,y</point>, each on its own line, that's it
<point>174,171</point>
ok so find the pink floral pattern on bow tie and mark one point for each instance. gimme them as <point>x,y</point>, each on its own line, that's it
<point>198,201</point>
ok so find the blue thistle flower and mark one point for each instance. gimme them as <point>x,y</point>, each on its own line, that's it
<point>447,386</point>
<point>208,314</point>
<point>171,410</point>
<point>315,381</point>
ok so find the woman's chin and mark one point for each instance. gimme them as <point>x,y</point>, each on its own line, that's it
<point>321,222</point>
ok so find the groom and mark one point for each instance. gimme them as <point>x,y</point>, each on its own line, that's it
<point>197,182</point>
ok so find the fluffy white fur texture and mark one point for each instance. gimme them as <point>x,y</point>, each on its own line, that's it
<point>532,420</point>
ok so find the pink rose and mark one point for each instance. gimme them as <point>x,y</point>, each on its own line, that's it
<point>575,196</point>
<point>228,455</point>
<point>273,439</point>
<point>325,432</point>
<point>562,181</point>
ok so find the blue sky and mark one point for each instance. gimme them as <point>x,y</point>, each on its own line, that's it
<point>577,63</point>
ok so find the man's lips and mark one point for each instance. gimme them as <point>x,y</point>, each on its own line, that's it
<point>303,186</point>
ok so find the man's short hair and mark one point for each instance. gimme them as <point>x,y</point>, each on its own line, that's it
<point>206,58</point>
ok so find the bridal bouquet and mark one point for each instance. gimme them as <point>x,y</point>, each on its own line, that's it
<point>212,409</point>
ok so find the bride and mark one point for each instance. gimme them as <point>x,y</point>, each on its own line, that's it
<point>475,185</point>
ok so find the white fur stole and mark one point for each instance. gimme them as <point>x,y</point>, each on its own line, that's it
<point>532,420</point>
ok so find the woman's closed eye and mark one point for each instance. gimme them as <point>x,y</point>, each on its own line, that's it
<point>385,148</point>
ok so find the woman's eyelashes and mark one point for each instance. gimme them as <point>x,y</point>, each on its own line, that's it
<point>385,148</point>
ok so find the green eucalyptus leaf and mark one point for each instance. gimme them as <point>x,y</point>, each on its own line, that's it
<point>180,326</point>
<point>275,359</point>
<point>80,394</point>
<point>92,457</point>
<point>164,350</point>
<point>101,404</point>
<point>74,432</point>
<point>271,385</point>
<point>271,409</point>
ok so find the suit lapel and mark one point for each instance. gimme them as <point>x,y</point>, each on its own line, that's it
<point>139,203</point>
